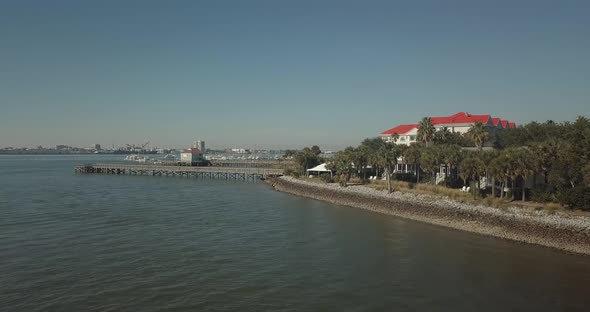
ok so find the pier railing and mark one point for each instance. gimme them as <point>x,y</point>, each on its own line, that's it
<point>240,173</point>
<point>253,163</point>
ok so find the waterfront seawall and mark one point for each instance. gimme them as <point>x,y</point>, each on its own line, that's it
<point>568,233</point>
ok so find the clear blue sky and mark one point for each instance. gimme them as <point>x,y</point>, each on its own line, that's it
<point>281,73</point>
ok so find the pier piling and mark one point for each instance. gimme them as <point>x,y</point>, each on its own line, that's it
<point>228,173</point>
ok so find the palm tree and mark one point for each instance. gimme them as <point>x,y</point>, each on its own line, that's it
<point>479,134</point>
<point>426,131</point>
<point>412,155</point>
<point>451,156</point>
<point>361,161</point>
<point>307,159</point>
<point>586,173</point>
<point>525,166</point>
<point>547,155</point>
<point>342,164</point>
<point>495,171</point>
<point>500,168</point>
<point>472,167</point>
<point>430,161</point>
<point>373,146</point>
<point>387,158</point>
<point>487,158</point>
<point>443,136</point>
<point>511,167</point>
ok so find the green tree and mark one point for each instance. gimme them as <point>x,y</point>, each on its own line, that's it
<point>472,167</point>
<point>431,161</point>
<point>547,155</point>
<point>341,163</point>
<point>387,157</point>
<point>487,159</point>
<point>361,161</point>
<point>443,136</point>
<point>567,168</point>
<point>426,131</point>
<point>512,170</point>
<point>497,171</point>
<point>524,166</point>
<point>306,159</point>
<point>479,134</point>
<point>316,150</point>
<point>586,174</point>
<point>372,147</point>
<point>451,156</point>
<point>412,155</point>
<point>289,153</point>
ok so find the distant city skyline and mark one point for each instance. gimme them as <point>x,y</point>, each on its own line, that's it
<point>278,74</point>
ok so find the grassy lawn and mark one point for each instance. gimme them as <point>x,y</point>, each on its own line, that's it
<point>462,197</point>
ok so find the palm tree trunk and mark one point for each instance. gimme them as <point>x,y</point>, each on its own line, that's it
<point>545,178</point>
<point>389,179</point>
<point>523,188</point>
<point>493,187</point>
<point>506,187</point>
<point>513,188</point>
<point>417,173</point>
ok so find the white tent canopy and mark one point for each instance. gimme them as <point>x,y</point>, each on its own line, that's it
<point>319,168</point>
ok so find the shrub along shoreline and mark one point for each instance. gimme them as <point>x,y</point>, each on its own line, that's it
<point>565,232</point>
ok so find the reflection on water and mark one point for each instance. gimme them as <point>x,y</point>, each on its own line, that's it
<point>114,243</point>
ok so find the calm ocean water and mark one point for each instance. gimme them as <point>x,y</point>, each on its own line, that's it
<point>73,242</point>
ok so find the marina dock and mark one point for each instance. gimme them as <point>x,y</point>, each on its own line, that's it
<point>240,173</point>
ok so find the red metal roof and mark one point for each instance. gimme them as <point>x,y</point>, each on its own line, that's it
<point>460,118</point>
<point>401,129</point>
<point>192,150</point>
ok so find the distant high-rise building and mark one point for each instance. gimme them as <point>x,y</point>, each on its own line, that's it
<point>97,147</point>
<point>200,145</point>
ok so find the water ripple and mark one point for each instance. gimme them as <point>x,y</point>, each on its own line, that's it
<point>106,243</point>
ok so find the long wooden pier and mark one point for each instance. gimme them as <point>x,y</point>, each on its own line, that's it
<point>252,163</point>
<point>186,171</point>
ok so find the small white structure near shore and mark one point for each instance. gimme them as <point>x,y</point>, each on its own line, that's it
<point>191,155</point>
<point>319,169</point>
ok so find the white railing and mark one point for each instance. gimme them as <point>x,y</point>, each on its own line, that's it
<point>242,170</point>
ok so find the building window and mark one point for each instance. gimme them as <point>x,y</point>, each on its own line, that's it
<point>412,138</point>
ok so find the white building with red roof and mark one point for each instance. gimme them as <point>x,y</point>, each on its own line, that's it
<point>459,122</point>
<point>191,155</point>
<point>406,134</point>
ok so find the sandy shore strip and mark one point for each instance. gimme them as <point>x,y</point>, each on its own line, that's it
<point>568,233</point>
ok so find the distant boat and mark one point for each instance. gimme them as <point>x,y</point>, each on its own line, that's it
<point>136,158</point>
<point>170,157</point>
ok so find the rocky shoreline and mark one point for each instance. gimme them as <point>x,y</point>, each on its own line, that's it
<point>564,232</point>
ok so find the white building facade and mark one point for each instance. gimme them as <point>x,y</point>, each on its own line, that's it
<point>191,156</point>
<point>460,122</point>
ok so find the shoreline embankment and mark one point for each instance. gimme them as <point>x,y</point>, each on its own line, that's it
<point>567,233</point>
